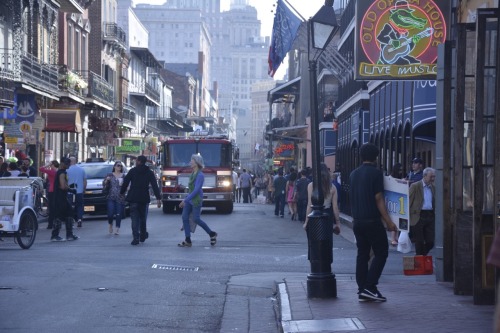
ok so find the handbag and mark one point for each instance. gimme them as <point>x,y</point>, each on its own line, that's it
<point>404,242</point>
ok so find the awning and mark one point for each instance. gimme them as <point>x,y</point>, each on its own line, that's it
<point>62,120</point>
<point>291,87</point>
<point>298,132</point>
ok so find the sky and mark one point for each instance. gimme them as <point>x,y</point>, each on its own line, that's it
<point>265,13</point>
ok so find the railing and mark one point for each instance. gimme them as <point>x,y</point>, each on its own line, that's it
<point>128,114</point>
<point>6,91</point>
<point>347,16</point>
<point>146,89</point>
<point>152,93</point>
<point>71,81</point>
<point>32,70</point>
<point>98,88</point>
<point>112,32</point>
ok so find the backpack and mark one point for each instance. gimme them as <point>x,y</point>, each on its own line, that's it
<point>301,188</point>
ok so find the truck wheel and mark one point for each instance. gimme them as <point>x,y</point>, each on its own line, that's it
<point>226,208</point>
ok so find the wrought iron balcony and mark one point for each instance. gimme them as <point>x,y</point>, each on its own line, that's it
<point>152,93</point>
<point>29,70</point>
<point>146,90</point>
<point>159,112</point>
<point>128,115</point>
<point>114,35</point>
<point>6,91</point>
<point>71,81</point>
<point>98,88</point>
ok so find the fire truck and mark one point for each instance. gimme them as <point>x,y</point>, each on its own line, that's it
<point>219,154</point>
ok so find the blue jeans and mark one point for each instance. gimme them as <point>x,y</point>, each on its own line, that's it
<point>138,214</point>
<point>115,210</point>
<point>370,235</point>
<point>279,204</point>
<point>188,208</point>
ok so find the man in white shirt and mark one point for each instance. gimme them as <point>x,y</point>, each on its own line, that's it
<point>77,179</point>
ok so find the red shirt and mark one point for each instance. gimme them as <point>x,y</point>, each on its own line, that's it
<point>51,175</point>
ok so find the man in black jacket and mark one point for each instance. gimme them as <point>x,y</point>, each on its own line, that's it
<point>139,179</point>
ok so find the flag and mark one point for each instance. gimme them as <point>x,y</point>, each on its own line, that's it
<point>285,27</point>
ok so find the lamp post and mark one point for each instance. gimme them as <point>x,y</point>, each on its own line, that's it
<point>321,282</point>
<point>144,134</point>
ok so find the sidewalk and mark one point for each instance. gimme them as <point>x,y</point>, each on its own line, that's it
<point>414,304</point>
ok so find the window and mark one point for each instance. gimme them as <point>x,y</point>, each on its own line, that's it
<point>70,46</point>
<point>84,65</point>
<point>78,50</point>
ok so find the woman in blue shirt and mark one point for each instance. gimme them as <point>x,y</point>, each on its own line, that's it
<point>193,202</point>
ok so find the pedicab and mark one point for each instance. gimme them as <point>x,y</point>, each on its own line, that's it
<point>18,218</point>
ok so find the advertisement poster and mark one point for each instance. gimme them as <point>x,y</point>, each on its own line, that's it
<point>398,40</point>
<point>397,201</point>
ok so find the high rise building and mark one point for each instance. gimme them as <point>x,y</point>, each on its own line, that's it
<point>230,41</point>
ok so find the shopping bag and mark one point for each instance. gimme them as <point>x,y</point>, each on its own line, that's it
<point>404,242</point>
<point>192,224</point>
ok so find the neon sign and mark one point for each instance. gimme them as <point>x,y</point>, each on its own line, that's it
<point>399,39</point>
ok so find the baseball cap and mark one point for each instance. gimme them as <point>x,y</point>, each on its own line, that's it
<point>418,160</point>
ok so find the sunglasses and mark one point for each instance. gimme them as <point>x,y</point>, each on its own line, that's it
<point>119,165</point>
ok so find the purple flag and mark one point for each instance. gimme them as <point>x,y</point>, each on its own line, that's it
<point>285,27</point>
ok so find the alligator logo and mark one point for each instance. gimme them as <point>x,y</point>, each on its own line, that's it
<point>400,38</point>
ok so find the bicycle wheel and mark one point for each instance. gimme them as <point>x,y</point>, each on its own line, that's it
<point>43,207</point>
<point>27,229</point>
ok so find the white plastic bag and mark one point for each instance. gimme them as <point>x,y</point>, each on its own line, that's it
<point>404,242</point>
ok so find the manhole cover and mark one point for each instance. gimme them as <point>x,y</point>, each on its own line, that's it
<point>175,268</point>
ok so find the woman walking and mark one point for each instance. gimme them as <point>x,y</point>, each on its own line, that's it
<point>193,202</point>
<point>290,195</point>
<point>116,202</point>
<point>51,171</point>
<point>330,199</point>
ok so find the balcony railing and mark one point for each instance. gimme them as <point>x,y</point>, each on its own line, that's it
<point>113,33</point>
<point>128,114</point>
<point>6,91</point>
<point>71,81</point>
<point>152,93</point>
<point>98,88</point>
<point>30,70</point>
<point>145,89</point>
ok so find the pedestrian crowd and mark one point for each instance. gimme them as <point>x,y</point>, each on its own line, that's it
<point>295,190</point>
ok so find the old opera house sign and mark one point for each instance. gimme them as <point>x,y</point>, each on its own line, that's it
<point>398,40</point>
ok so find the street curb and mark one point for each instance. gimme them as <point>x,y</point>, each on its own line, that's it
<point>284,304</point>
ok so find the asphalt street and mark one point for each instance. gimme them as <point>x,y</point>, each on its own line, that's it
<point>101,283</point>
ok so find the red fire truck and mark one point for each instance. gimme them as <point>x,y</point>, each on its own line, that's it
<point>217,152</point>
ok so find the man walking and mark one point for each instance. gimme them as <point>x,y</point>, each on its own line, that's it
<point>368,210</point>
<point>279,194</point>
<point>422,218</point>
<point>246,186</point>
<point>63,211</point>
<point>139,178</point>
<point>77,179</point>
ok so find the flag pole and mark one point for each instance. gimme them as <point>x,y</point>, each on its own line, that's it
<point>295,10</point>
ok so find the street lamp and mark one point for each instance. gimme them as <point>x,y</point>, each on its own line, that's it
<point>144,134</point>
<point>321,282</point>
